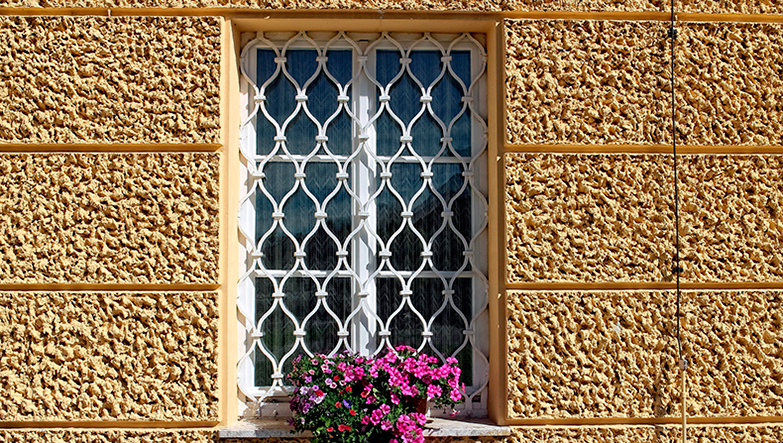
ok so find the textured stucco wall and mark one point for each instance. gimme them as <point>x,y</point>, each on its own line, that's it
<point>730,6</point>
<point>728,83</point>
<point>614,354</point>
<point>587,434</point>
<point>732,218</point>
<point>108,356</point>
<point>698,6</point>
<point>588,217</point>
<point>583,81</point>
<point>631,434</point>
<point>610,217</point>
<point>762,433</point>
<point>734,342</point>
<point>109,218</point>
<point>410,5</point>
<point>109,80</point>
<point>413,5</point>
<point>591,354</point>
<point>101,436</point>
<point>153,218</point>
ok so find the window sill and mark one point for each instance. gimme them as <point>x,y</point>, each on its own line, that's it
<point>438,427</point>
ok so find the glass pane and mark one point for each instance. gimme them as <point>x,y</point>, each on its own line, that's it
<point>322,328</point>
<point>278,248</point>
<point>427,210</point>
<point>426,66</point>
<point>322,98</point>
<point>299,212</point>
<point>278,332</point>
<point>339,134</point>
<point>321,249</point>
<point>280,103</point>
<point>301,64</point>
<point>388,135</point>
<point>404,93</point>
<point>300,134</point>
<point>340,65</point>
<point>426,135</point>
<point>405,327</point>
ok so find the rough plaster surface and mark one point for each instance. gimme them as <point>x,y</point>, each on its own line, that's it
<point>729,85</point>
<point>108,356</point>
<point>412,5</point>
<point>591,355</point>
<point>109,79</point>
<point>764,433</point>
<point>587,82</point>
<point>109,218</point>
<point>102,436</point>
<point>731,6</point>
<point>630,434</point>
<point>594,217</point>
<point>731,221</point>
<point>617,434</point>
<point>587,6</point>
<point>734,343</point>
<point>589,217</point>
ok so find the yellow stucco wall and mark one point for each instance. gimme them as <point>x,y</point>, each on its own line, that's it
<point>109,80</point>
<point>691,6</point>
<point>592,355</point>
<point>734,341</point>
<point>580,81</point>
<point>118,135</point>
<point>109,218</point>
<point>609,217</point>
<point>589,217</point>
<point>728,82</point>
<point>112,436</point>
<point>106,356</point>
<point>636,434</point>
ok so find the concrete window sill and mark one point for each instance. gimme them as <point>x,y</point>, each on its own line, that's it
<point>438,427</point>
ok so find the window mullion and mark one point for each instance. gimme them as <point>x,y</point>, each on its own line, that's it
<point>365,246</point>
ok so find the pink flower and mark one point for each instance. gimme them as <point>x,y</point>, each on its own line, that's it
<point>433,391</point>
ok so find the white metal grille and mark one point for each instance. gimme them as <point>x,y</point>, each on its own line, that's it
<point>364,220</point>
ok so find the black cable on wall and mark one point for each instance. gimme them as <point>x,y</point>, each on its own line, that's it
<point>677,269</point>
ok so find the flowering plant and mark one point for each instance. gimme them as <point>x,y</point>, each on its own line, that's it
<point>350,398</point>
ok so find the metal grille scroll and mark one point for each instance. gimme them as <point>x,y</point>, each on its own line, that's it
<point>364,216</point>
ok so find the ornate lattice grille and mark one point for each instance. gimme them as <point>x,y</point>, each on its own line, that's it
<point>364,219</point>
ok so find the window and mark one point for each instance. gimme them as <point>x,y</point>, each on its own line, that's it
<point>364,216</point>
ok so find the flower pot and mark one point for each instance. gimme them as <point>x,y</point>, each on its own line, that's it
<point>420,404</point>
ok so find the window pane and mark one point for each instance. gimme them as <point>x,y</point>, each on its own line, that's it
<point>427,299</point>
<point>321,248</point>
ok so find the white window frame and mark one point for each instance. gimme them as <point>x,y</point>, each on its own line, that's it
<point>479,215</point>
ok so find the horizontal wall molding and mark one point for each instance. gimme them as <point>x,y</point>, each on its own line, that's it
<point>571,15</point>
<point>104,287</point>
<point>639,149</point>
<point>640,286</point>
<point>369,14</point>
<point>26,148</point>
<point>107,425</point>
